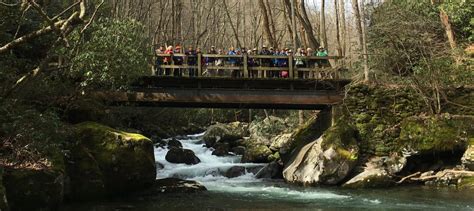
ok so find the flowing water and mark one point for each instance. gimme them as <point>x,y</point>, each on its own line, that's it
<point>247,192</point>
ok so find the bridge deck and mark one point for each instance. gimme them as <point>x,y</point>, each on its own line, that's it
<point>230,93</point>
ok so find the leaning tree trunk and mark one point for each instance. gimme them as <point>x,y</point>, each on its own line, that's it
<point>360,33</point>
<point>338,34</point>
<point>304,20</point>
<point>322,27</point>
<point>266,25</point>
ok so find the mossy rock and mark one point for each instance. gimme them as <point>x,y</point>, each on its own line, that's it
<point>256,153</point>
<point>33,189</point>
<point>310,131</point>
<point>327,160</point>
<point>435,134</point>
<point>263,131</point>
<point>3,194</point>
<point>226,133</point>
<point>106,161</point>
<point>466,182</point>
<point>376,178</point>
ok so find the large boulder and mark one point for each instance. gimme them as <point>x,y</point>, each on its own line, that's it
<point>304,134</point>
<point>105,161</point>
<point>377,173</point>
<point>33,189</point>
<point>327,160</point>
<point>468,156</point>
<point>225,133</point>
<point>178,155</point>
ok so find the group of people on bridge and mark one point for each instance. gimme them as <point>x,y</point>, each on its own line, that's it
<point>170,60</point>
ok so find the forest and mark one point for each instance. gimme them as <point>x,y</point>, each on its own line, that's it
<point>54,53</point>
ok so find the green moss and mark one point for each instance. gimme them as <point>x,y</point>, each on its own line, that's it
<point>340,135</point>
<point>256,153</point>
<point>466,182</point>
<point>111,161</point>
<point>311,130</point>
<point>347,155</point>
<point>31,189</point>
<point>433,134</point>
<point>274,157</point>
<point>378,112</point>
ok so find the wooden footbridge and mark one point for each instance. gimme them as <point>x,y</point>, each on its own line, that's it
<point>237,85</point>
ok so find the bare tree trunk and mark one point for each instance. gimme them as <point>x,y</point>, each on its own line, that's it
<point>338,35</point>
<point>293,24</point>
<point>447,26</point>
<point>342,13</point>
<point>236,35</point>
<point>322,25</point>
<point>360,33</point>
<point>364,45</point>
<point>307,25</point>
<point>266,25</point>
<point>301,117</point>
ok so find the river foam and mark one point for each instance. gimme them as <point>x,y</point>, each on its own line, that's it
<point>210,172</point>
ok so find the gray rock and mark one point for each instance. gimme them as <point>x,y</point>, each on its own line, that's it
<point>271,171</point>
<point>375,175</point>
<point>222,149</point>
<point>173,185</point>
<point>159,166</point>
<point>256,154</point>
<point>467,159</point>
<point>174,143</point>
<point>238,150</point>
<point>225,133</point>
<point>281,143</point>
<point>177,155</point>
<point>235,171</point>
<point>327,160</point>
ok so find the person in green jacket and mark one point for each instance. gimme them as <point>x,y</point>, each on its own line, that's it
<point>322,53</point>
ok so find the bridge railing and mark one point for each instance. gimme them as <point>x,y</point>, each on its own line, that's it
<point>247,66</point>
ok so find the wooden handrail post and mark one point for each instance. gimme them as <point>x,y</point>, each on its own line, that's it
<point>291,69</point>
<point>246,66</point>
<point>199,63</point>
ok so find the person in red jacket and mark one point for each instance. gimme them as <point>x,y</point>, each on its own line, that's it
<point>167,59</point>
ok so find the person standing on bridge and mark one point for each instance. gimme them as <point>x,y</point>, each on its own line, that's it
<point>159,60</point>
<point>220,63</point>
<point>211,61</point>
<point>178,60</point>
<point>167,60</point>
<point>252,62</point>
<point>299,61</point>
<point>322,53</point>
<point>310,64</point>
<point>266,62</point>
<point>232,60</point>
<point>191,54</point>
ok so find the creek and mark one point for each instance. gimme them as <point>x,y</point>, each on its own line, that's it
<point>248,192</point>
